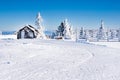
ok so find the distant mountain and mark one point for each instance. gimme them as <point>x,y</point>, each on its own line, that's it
<point>12,32</point>
<point>8,32</point>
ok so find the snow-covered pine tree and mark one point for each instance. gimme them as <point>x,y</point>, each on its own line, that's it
<point>108,35</point>
<point>82,33</point>
<point>112,36</point>
<point>60,30</point>
<point>86,34</point>
<point>67,30</point>
<point>72,33</point>
<point>101,32</point>
<point>38,23</point>
<point>76,34</point>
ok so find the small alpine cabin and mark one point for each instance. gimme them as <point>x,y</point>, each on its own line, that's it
<point>27,32</point>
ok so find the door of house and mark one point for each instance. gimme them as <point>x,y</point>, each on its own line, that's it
<point>22,34</point>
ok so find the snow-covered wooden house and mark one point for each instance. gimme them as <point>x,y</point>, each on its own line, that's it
<point>27,32</point>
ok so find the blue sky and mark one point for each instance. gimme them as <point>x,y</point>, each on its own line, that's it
<point>14,14</point>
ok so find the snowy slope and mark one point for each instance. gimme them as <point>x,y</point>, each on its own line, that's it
<point>57,60</point>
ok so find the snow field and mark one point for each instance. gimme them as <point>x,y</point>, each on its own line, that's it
<point>8,36</point>
<point>58,60</point>
<point>108,44</point>
<point>45,60</point>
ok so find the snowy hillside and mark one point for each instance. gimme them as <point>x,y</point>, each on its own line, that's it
<point>57,60</point>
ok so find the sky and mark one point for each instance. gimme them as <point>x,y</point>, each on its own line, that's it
<point>15,14</point>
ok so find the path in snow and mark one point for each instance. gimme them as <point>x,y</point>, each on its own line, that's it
<point>105,64</point>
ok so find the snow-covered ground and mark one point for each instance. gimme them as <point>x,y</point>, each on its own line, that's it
<point>108,44</point>
<point>57,60</point>
<point>8,36</point>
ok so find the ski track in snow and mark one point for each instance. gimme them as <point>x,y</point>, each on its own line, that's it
<point>57,60</point>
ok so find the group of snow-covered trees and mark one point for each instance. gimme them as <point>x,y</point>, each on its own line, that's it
<point>100,34</point>
<point>65,30</point>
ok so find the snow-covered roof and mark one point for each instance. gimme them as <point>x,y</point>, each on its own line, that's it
<point>30,27</point>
